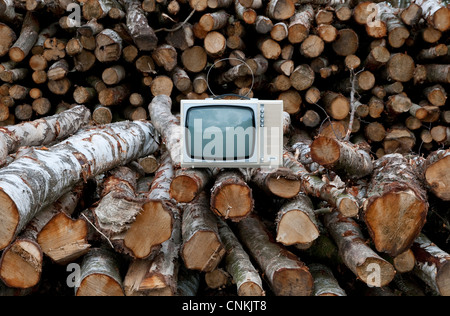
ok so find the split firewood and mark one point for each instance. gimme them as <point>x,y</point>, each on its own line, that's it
<point>285,273</point>
<point>75,154</point>
<point>202,247</point>
<point>432,264</point>
<point>100,274</point>
<point>396,208</point>
<point>238,264</point>
<point>355,253</point>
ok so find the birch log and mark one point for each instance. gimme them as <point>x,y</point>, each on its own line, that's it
<point>42,131</point>
<point>238,264</point>
<point>100,275</point>
<point>396,208</point>
<point>437,174</point>
<point>356,254</point>
<point>167,125</point>
<point>286,274</point>
<point>202,247</point>
<point>432,265</point>
<point>325,283</point>
<point>40,177</point>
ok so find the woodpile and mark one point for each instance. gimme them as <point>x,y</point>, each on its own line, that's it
<point>90,166</point>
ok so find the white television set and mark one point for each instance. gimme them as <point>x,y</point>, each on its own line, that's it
<point>232,133</point>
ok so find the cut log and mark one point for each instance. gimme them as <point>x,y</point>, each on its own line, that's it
<point>157,276</point>
<point>7,39</point>
<point>194,59</point>
<point>438,73</point>
<point>280,9</point>
<point>300,24</point>
<point>167,125</point>
<point>336,105</point>
<point>405,262</point>
<point>231,197</point>
<point>157,215</point>
<point>412,14</point>
<point>165,56</point>
<point>114,96</point>
<point>28,37</point>
<point>113,75</point>
<point>188,183</point>
<point>100,275</point>
<point>345,159</point>
<point>396,208</point>
<point>400,67</point>
<point>108,46</point>
<point>98,9</point>
<point>238,264</point>
<point>302,78</point>
<point>347,43</point>
<point>58,70</point>
<point>436,174</point>
<point>280,182</point>
<point>102,115</point>
<point>202,248</point>
<point>436,14</point>
<point>436,95</point>
<point>43,131</point>
<point>296,222</point>
<point>399,139</point>
<point>325,283</point>
<point>432,265</point>
<point>314,186</point>
<point>357,256</point>
<point>285,273</point>
<point>143,35</point>
<point>80,154</point>
<point>398,32</point>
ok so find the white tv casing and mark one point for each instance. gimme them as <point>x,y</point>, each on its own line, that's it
<point>268,151</point>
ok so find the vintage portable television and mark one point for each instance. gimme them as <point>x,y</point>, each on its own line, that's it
<point>232,133</point>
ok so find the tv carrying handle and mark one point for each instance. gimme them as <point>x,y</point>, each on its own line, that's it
<point>230,94</point>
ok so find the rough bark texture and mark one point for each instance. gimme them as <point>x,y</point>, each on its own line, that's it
<point>231,197</point>
<point>167,125</point>
<point>344,158</point>
<point>313,185</point>
<point>432,265</point>
<point>325,283</point>
<point>396,208</point>
<point>202,247</point>
<point>357,256</point>
<point>23,180</point>
<point>42,131</point>
<point>238,264</point>
<point>286,274</point>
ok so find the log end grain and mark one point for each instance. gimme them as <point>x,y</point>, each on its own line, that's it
<point>293,282</point>
<point>184,188</point>
<point>366,270</point>
<point>284,187</point>
<point>250,289</point>
<point>325,151</point>
<point>203,252</point>
<point>64,239</point>
<point>296,227</point>
<point>21,264</point>
<point>99,285</point>
<point>233,201</point>
<point>10,219</point>
<point>405,261</point>
<point>394,220</point>
<point>156,217</point>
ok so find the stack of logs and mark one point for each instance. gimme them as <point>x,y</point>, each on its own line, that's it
<point>90,148</point>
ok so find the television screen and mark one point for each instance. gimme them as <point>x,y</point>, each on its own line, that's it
<point>220,132</point>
